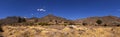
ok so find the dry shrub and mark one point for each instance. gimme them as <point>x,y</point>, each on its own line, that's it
<point>41,31</point>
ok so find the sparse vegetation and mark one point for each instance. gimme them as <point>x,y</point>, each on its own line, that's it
<point>43,24</point>
<point>81,31</point>
<point>99,22</point>
<point>1,30</point>
<point>105,24</point>
<point>20,20</point>
<point>84,24</point>
<point>53,26</point>
<point>55,20</point>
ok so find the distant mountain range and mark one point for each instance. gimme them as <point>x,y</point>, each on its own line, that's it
<point>56,20</point>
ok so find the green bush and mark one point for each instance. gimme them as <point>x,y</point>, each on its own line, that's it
<point>65,24</point>
<point>43,24</point>
<point>1,30</point>
<point>99,22</point>
<point>84,24</point>
<point>21,20</point>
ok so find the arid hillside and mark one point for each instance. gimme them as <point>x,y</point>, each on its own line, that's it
<point>56,20</point>
<point>48,19</point>
<point>55,26</point>
<point>51,19</point>
<point>100,21</point>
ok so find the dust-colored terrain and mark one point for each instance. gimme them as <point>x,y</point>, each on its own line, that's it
<point>60,31</point>
<point>55,26</point>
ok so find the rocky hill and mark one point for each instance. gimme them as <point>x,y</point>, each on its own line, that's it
<point>12,20</point>
<point>48,19</point>
<point>54,26</point>
<point>56,20</point>
<point>105,20</point>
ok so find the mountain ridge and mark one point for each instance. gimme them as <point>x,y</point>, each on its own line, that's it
<point>52,19</point>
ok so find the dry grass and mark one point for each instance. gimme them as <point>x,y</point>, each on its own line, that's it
<point>47,31</point>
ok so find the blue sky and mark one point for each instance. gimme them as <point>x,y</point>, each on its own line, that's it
<point>70,9</point>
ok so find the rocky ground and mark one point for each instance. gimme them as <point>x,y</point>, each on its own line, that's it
<point>60,31</point>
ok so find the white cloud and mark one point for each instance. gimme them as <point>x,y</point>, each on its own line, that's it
<point>41,10</point>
